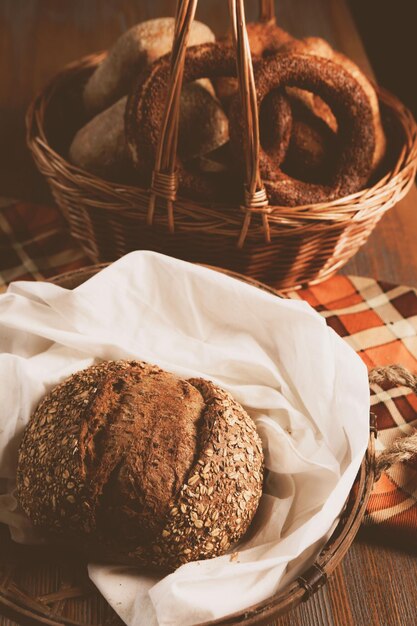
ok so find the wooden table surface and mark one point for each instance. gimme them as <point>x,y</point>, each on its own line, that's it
<point>376,584</point>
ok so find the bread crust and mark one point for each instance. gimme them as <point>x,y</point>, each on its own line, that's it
<point>134,465</point>
<point>99,146</point>
<point>131,53</point>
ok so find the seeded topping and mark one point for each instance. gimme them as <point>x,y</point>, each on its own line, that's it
<point>136,465</point>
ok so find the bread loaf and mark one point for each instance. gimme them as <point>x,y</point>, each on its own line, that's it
<point>312,151</point>
<point>203,125</point>
<point>100,146</point>
<point>137,48</point>
<point>135,465</point>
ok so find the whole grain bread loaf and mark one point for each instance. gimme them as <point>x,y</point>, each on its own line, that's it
<point>133,464</point>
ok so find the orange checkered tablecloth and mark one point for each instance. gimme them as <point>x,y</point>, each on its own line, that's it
<point>377,319</point>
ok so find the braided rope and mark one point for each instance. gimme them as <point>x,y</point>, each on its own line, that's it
<point>395,374</point>
<point>163,184</point>
<point>404,448</point>
<point>255,202</point>
<point>400,451</point>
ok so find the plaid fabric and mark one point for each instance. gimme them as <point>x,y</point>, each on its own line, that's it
<point>34,243</point>
<point>378,320</point>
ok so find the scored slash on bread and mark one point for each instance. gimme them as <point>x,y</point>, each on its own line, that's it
<point>133,464</point>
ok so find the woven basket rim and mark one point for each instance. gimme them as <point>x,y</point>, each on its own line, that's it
<point>339,210</point>
<point>289,597</point>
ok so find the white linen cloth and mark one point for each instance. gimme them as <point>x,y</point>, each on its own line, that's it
<point>305,387</point>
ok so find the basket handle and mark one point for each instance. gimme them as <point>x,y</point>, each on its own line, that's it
<point>266,10</point>
<point>164,178</point>
<point>255,198</point>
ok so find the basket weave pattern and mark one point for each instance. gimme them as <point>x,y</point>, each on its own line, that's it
<point>289,246</point>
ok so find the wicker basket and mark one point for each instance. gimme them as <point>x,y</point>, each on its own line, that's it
<point>37,587</point>
<point>286,246</point>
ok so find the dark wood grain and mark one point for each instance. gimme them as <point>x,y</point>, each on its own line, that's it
<point>390,63</point>
<point>375,585</point>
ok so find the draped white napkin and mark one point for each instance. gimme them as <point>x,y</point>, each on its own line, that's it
<point>305,388</point>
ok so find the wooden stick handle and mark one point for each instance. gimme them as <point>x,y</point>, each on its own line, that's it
<point>164,179</point>
<point>255,198</point>
<point>266,10</point>
<point>164,182</point>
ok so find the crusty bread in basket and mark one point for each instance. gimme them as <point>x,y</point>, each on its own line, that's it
<point>187,492</point>
<point>52,587</point>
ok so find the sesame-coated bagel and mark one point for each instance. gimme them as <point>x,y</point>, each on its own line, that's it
<point>351,107</point>
<point>319,47</point>
<point>144,114</point>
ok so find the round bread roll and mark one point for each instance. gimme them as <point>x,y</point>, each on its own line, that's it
<point>203,125</point>
<point>275,125</point>
<point>100,146</point>
<point>137,48</point>
<point>313,148</point>
<point>265,38</point>
<point>135,465</point>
